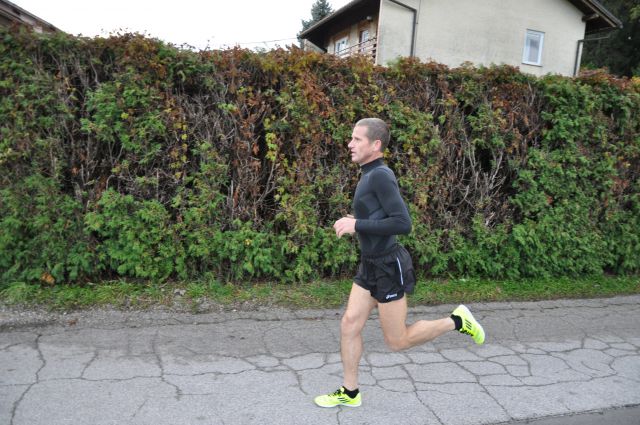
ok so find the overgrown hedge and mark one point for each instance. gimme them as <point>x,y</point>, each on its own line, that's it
<point>127,157</point>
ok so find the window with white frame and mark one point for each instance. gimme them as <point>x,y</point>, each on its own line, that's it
<point>533,42</point>
<point>341,45</point>
<point>362,39</point>
<point>364,36</point>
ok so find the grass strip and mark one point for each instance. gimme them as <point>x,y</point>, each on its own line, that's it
<point>317,294</point>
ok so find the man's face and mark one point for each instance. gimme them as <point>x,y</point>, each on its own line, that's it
<point>361,148</point>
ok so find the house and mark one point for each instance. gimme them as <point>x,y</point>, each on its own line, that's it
<point>11,14</point>
<point>538,36</point>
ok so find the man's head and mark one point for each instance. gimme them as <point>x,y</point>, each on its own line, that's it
<point>376,130</point>
<point>369,139</point>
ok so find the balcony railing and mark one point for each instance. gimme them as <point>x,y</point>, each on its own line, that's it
<point>366,48</point>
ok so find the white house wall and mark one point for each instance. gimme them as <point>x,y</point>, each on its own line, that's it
<point>482,32</point>
<point>395,30</point>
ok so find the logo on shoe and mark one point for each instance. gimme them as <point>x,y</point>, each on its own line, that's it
<point>388,297</point>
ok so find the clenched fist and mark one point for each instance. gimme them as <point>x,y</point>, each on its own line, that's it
<point>346,225</point>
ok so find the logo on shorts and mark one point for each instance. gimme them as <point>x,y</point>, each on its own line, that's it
<point>388,297</point>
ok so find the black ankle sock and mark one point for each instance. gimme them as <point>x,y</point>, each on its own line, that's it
<point>458,321</point>
<point>351,393</point>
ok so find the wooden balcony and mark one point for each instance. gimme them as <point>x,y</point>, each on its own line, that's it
<point>366,48</point>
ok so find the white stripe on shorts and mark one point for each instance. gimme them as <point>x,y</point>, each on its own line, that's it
<point>400,267</point>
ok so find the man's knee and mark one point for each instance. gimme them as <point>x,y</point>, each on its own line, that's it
<point>351,324</point>
<point>396,344</point>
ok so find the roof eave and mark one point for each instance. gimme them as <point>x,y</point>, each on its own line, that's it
<point>330,17</point>
<point>601,13</point>
<point>31,15</point>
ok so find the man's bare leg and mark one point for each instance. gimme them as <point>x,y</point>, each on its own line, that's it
<point>398,336</point>
<point>359,307</point>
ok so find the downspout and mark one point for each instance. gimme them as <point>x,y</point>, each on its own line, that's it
<point>415,23</point>
<point>576,67</point>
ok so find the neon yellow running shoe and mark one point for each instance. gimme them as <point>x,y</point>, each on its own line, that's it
<point>470,325</point>
<point>338,398</point>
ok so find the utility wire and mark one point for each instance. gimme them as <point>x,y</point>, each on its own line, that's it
<point>267,41</point>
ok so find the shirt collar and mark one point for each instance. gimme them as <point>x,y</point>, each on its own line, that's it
<point>371,165</point>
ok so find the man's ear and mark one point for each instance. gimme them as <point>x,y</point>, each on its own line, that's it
<point>378,145</point>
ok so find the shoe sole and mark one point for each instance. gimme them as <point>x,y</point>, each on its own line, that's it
<point>336,405</point>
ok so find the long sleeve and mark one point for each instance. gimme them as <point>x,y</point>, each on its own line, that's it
<point>396,219</point>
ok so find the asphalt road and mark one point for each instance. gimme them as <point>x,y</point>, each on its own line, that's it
<point>543,363</point>
<point>619,416</point>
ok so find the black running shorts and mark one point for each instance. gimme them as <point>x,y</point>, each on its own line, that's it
<point>387,276</point>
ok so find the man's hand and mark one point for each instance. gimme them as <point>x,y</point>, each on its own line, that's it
<point>346,225</point>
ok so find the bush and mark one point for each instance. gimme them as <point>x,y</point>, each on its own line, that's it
<point>128,157</point>
<point>41,236</point>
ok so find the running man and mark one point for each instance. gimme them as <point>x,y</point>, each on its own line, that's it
<point>385,273</point>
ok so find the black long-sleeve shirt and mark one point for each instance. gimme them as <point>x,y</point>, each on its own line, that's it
<point>380,212</point>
